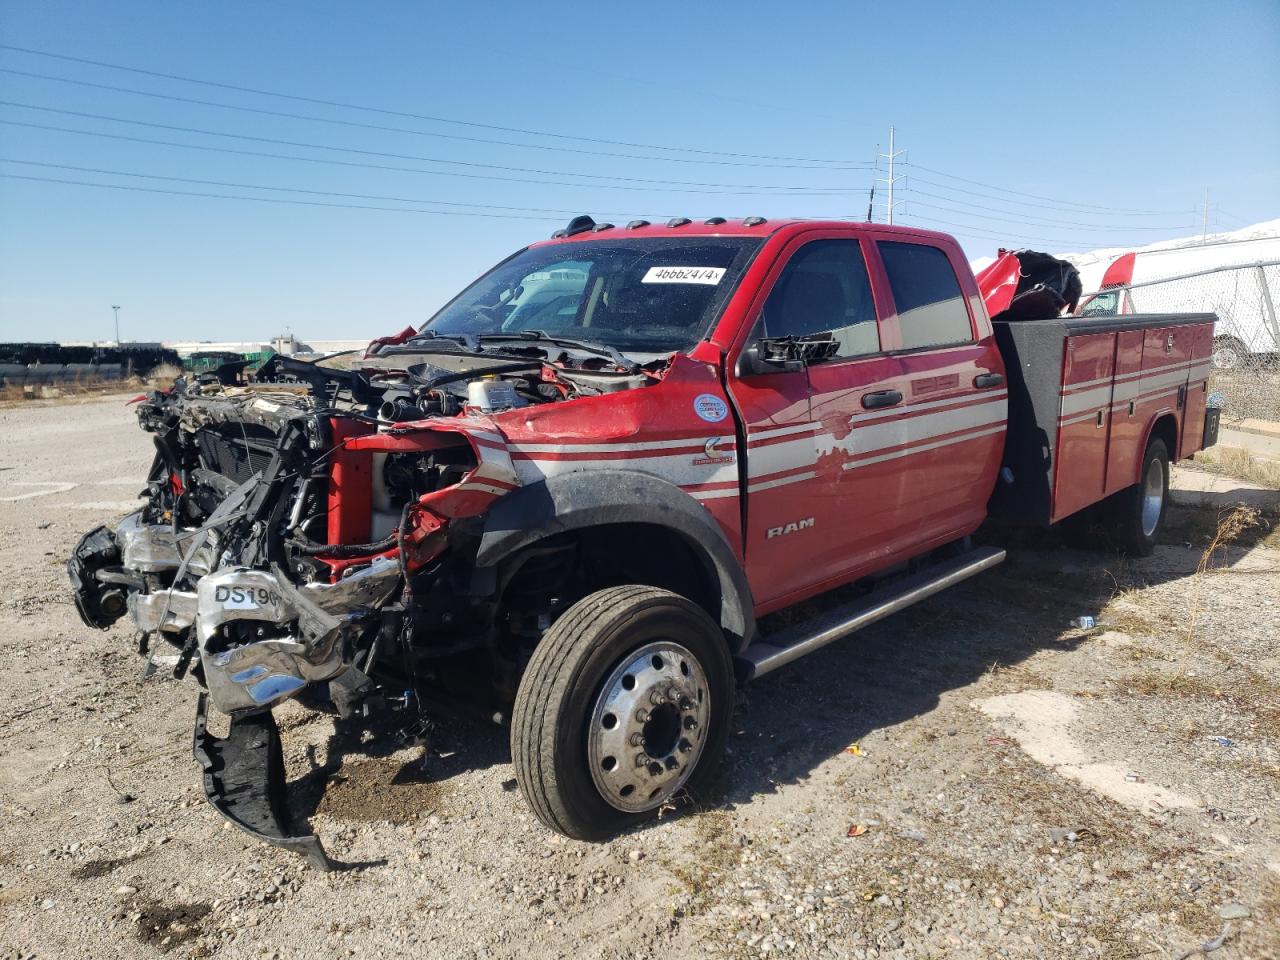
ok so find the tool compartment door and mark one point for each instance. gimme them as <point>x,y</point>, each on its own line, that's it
<point>1084,422</point>
<point>1197,389</point>
<point>1124,458</point>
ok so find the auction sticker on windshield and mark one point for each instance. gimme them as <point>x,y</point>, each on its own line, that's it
<point>708,275</point>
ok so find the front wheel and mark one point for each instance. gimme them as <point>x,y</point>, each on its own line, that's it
<point>1137,514</point>
<point>625,703</point>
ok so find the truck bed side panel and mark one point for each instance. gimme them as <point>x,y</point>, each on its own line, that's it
<point>1043,483</point>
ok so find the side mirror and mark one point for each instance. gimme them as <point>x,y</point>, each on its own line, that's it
<point>758,359</point>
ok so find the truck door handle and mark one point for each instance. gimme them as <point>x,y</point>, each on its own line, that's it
<point>881,398</point>
<point>988,380</point>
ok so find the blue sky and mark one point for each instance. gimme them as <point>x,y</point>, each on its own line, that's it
<point>1061,122</point>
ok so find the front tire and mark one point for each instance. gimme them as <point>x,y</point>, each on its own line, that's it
<point>1137,513</point>
<point>626,702</point>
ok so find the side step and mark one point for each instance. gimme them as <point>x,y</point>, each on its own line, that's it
<point>778,649</point>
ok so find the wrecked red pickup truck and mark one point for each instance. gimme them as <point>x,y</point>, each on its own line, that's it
<point>571,496</point>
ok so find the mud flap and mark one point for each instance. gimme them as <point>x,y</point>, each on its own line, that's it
<point>244,781</point>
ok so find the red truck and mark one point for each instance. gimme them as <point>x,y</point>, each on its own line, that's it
<point>574,493</point>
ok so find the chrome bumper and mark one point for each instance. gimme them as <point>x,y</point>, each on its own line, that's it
<point>282,637</point>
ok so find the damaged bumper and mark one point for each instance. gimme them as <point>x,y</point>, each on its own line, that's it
<point>260,638</point>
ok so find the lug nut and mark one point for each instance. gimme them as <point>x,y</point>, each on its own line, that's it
<point>642,715</point>
<point>691,723</point>
<point>637,739</point>
<point>641,759</point>
<point>684,746</point>
<point>655,769</point>
<point>672,763</point>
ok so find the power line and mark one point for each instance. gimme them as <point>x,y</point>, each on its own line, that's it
<point>401,156</point>
<point>1071,203</point>
<point>422,133</point>
<point>319,193</point>
<point>1034,221</point>
<point>208,148</point>
<point>983,233</point>
<point>305,203</point>
<point>406,115</point>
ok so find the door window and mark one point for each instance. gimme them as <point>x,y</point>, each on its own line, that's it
<point>931,308</point>
<point>824,289</point>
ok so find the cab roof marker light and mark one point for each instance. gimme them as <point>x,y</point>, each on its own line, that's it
<point>579,224</point>
<point>678,221</point>
<point>753,221</point>
<point>713,221</point>
<point>601,226</point>
<point>637,224</point>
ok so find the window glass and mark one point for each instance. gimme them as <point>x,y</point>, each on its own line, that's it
<point>1103,305</point>
<point>824,288</point>
<point>931,308</point>
<point>640,294</point>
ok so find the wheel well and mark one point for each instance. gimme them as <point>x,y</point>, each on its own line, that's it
<point>1166,429</point>
<point>618,554</point>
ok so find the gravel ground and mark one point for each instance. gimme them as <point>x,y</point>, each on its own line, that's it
<point>1019,788</point>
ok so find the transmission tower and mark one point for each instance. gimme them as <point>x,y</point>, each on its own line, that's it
<point>890,180</point>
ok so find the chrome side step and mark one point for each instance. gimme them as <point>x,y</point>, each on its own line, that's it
<point>778,649</point>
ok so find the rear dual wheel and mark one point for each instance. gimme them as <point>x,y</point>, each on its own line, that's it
<point>625,705</point>
<point>1137,513</point>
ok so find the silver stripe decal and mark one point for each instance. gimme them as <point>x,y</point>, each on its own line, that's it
<point>928,446</point>
<point>722,441</point>
<point>781,481</point>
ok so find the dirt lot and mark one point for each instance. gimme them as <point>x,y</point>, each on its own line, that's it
<point>1020,788</point>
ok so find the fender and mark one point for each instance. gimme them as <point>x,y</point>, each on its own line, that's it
<point>1150,430</point>
<point>574,501</point>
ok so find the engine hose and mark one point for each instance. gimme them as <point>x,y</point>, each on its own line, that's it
<point>342,551</point>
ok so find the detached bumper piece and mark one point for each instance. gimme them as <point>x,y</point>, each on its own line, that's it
<point>244,781</point>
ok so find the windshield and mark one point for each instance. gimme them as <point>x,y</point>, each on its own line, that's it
<point>650,295</point>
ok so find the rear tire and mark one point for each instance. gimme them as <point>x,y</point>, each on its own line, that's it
<point>626,703</point>
<point>1138,512</point>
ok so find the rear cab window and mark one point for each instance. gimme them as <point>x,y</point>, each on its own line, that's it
<point>926,292</point>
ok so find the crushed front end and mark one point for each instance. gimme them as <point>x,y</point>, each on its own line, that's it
<point>285,527</point>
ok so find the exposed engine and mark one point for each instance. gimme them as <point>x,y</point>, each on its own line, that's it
<point>309,526</point>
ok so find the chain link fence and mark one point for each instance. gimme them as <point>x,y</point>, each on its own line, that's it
<point>1246,347</point>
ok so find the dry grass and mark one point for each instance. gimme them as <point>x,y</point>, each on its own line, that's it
<point>1232,523</point>
<point>1238,463</point>
<point>17,394</point>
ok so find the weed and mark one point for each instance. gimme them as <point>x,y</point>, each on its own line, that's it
<point>1238,463</point>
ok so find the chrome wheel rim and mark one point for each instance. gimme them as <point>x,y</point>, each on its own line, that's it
<point>648,727</point>
<point>1152,497</point>
<point>1225,358</point>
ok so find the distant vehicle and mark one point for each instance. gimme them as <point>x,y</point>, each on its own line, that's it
<point>1239,281</point>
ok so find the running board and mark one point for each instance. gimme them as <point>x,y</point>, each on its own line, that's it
<point>778,649</point>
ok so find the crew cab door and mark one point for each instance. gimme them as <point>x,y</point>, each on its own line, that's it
<point>802,523</point>
<point>945,440</point>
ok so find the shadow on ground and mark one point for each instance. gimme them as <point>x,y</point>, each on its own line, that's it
<point>793,720</point>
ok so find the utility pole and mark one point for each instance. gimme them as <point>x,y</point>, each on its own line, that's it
<point>1204,224</point>
<point>116,310</point>
<point>890,180</point>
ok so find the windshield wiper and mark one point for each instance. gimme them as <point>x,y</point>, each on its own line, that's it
<point>468,341</point>
<point>589,346</point>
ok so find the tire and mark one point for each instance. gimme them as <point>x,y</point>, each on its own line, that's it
<point>574,710</point>
<point>1228,353</point>
<point>1138,512</point>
